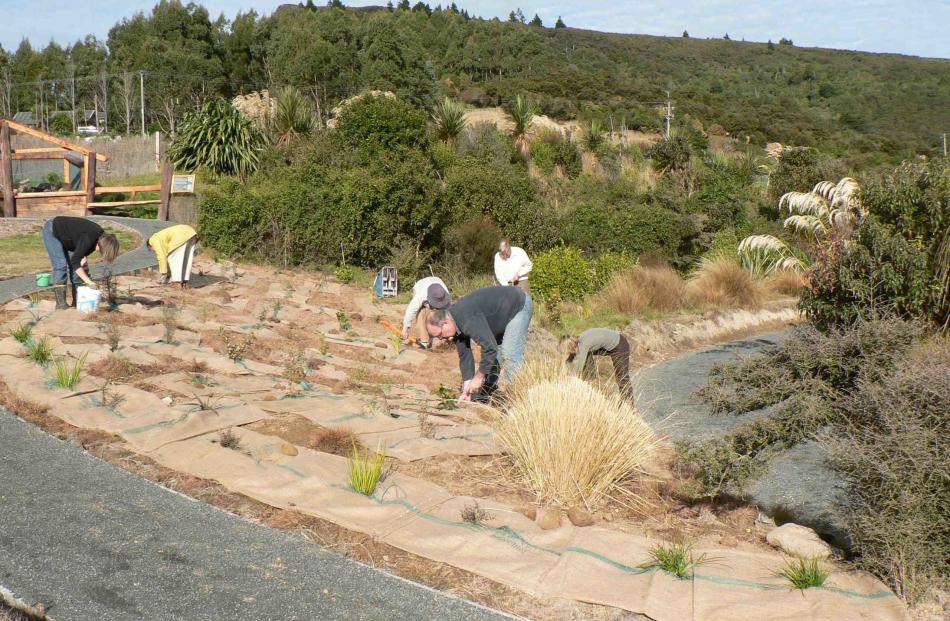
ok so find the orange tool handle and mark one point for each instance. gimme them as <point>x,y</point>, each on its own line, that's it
<point>388,324</point>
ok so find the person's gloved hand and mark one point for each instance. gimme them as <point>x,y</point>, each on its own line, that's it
<point>163,279</point>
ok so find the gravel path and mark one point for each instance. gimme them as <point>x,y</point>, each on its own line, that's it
<point>797,486</point>
<point>138,259</point>
<point>93,542</point>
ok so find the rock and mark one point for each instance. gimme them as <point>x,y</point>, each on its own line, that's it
<point>798,541</point>
<point>288,449</point>
<point>529,511</point>
<point>579,516</point>
<point>356,317</point>
<point>549,518</point>
<point>167,400</point>
<point>381,345</point>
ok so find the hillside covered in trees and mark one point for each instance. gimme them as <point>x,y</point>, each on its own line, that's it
<point>870,108</point>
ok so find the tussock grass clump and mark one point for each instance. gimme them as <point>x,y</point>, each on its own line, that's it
<point>41,351</point>
<point>22,332</point>
<point>804,573</point>
<point>228,439</point>
<point>333,440</point>
<point>785,282</point>
<point>66,375</point>
<point>572,444</point>
<point>676,558</point>
<point>723,282</point>
<point>366,470</point>
<point>646,288</point>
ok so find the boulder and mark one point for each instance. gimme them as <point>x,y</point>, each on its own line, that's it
<point>580,516</point>
<point>798,541</point>
<point>549,518</point>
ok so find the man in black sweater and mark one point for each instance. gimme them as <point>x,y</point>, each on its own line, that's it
<point>68,242</point>
<point>497,319</point>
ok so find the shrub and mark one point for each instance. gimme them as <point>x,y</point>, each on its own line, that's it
<point>219,139</point>
<point>670,153</point>
<point>448,116</point>
<point>571,444</point>
<point>471,245</point>
<point>645,288</point>
<point>484,142</point>
<point>380,123</point>
<point>410,259</point>
<point>344,273</point>
<point>563,270</point>
<point>61,125</point>
<point>607,264</point>
<point>723,282</point>
<point>293,116</point>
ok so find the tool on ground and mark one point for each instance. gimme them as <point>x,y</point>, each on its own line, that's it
<point>389,325</point>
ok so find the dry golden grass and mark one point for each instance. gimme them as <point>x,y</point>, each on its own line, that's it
<point>723,282</point>
<point>334,440</point>
<point>646,288</point>
<point>573,444</point>
<point>785,282</point>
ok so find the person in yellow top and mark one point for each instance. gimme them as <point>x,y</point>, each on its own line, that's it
<point>175,248</point>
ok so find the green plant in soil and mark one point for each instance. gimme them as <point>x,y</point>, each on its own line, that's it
<point>344,273</point>
<point>199,379</point>
<point>295,366</point>
<point>676,558</point>
<point>228,439</point>
<point>447,398</point>
<point>109,399</point>
<point>111,330</point>
<point>66,375</point>
<point>236,348</point>
<point>205,404</point>
<point>324,346</point>
<point>277,306</point>
<point>41,351</point>
<point>396,341</point>
<point>366,470</point>
<point>22,332</point>
<point>170,314</point>
<point>804,573</point>
<point>344,321</point>
<point>34,299</point>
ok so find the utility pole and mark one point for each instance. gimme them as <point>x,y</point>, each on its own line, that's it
<point>669,113</point>
<point>142,99</point>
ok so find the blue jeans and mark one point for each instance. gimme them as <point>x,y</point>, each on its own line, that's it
<point>511,349</point>
<point>58,256</point>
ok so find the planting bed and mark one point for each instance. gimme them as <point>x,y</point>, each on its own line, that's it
<point>255,381</point>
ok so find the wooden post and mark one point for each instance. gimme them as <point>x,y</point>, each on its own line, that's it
<point>66,173</point>
<point>166,192</point>
<point>6,172</point>
<point>90,181</point>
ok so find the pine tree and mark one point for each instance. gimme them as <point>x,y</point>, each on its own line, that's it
<point>560,23</point>
<point>536,21</point>
<point>727,37</point>
<point>685,35</point>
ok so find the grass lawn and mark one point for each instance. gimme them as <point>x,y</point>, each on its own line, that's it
<point>24,253</point>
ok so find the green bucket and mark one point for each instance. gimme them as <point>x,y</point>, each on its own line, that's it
<point>42,280</point>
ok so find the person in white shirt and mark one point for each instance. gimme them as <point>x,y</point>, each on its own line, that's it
<point>512,265</point>
<point>428,294</point>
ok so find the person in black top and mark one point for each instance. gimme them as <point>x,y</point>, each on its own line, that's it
<point>497,319</point>
<point>68,242</point>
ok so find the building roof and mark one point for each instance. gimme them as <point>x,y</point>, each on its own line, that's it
<point>26,118</point>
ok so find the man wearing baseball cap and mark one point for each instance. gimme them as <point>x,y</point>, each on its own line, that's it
<point>428,294</point>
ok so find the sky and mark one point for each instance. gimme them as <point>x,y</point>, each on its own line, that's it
<point>915,27</point>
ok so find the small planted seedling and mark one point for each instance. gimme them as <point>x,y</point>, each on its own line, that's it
<point>676,559</point>
<point>111,330</point>
<point>108,398</point>
<point>277,306</point>
<point>202,380</point>
<point>22,332</point>
<point>170,322</point>
<point>205,404</point>
<point>344,273</point>
<point>475,515</point>
<point>295,365</point>
<point>344,321</point>
<point>396,340</point>
<point>447,398</point>
<point>236,348</point>
<point>41,351</point>
<point>426,428</point>
<point>111,290</point>
<point>324,346</point>
<point>66,375</point>
<point>227,439</point>
<point>366,470</point>
<point>34,300</point>
<point>804,573</point>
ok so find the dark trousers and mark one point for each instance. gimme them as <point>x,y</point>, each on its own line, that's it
<point>620,357</point>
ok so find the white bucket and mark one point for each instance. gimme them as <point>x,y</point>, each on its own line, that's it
<point>87,299</point>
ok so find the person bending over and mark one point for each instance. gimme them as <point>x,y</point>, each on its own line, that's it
<point>69,241</point>
<point>428,294</point>
<point>174,248</point>
<point>496,318</point>
<point>601,342</point>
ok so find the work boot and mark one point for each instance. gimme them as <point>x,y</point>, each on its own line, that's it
<point>60,293</point>
<point>75,295</point>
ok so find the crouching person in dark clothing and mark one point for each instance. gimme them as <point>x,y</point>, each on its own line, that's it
<point>68,242</point>
<point>601,342</point>
<point>496,318</point>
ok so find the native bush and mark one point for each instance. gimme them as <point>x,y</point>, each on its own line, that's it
<point>471,243</point>
<point>483,141</point>
<point>562,271</point>
<point>550,149</point>
<point>380,123</point>
<point>670,153</point>
<point>633,228</point>
<point>219,139</point>
<point>607,264</point>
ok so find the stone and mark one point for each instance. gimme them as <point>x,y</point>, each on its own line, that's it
<point>549,518</point>
<point>529,511</point>
<point>798,541</point>
<point>580,516</point>
<point>288,449</point>
<point>167,400</point>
